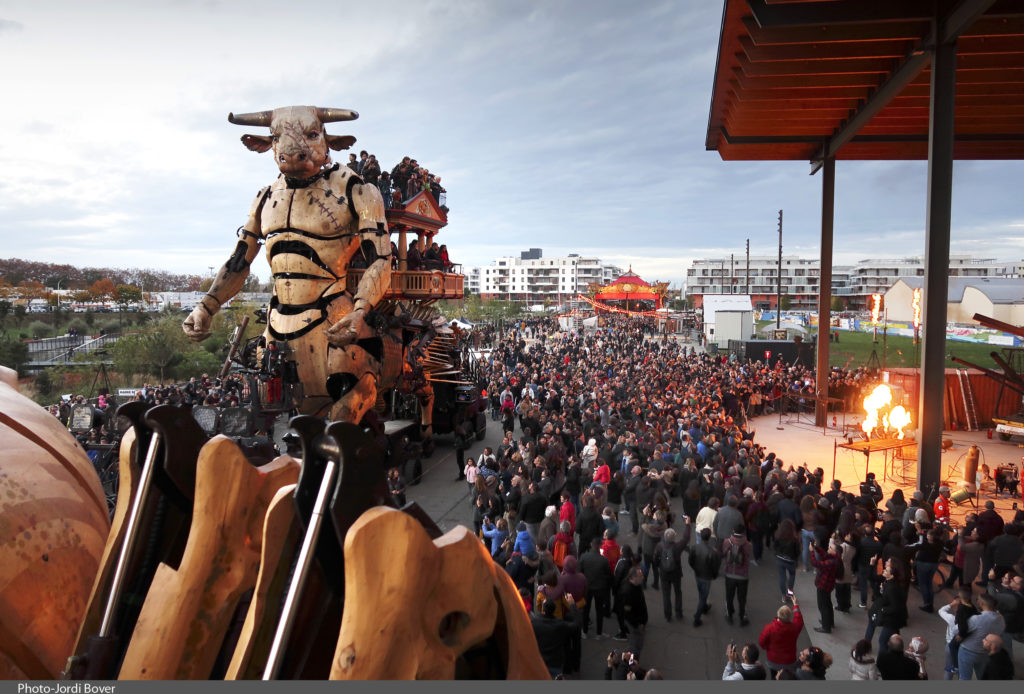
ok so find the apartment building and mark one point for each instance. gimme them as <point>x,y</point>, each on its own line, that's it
<point>800,276</point>
<point>730,276</point>
<point>531,278</point>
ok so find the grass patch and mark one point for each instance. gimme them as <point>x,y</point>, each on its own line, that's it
<point>854,350</point>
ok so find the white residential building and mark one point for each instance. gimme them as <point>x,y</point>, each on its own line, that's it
<point>800,277</point>
<point>730,276</point>
<point>532,278</point>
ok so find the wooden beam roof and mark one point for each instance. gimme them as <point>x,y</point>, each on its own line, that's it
<point>806,79</point>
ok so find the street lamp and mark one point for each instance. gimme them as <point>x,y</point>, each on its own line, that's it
<point>56,319</point>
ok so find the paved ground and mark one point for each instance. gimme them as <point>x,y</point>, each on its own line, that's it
<point>678,649</point>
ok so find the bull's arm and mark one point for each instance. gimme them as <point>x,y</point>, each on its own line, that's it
<point>229,280</point>
<point>375,246</point>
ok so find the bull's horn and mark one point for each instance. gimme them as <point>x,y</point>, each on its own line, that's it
<point>258,118</point>
<point>331,115</point>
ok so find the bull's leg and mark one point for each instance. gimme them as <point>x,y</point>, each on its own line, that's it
<point>356,401</point>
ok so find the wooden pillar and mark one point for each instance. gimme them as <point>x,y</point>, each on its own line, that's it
<point>403,248</point>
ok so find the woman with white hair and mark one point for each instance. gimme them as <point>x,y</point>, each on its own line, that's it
<point>589,454</point>
<point>548,526</point>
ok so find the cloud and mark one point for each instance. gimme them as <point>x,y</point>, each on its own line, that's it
<point>570,126</point>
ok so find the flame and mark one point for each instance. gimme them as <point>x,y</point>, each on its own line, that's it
<point>897,418</point>
<point>879,398</point>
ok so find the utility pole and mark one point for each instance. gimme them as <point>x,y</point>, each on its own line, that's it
<point>747,276</point>
<point>732,272</point>
<point>778,293</point>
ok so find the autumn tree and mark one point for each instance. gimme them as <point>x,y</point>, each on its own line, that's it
<point>102,289</point>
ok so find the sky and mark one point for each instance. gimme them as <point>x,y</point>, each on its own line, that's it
<point>573,126</point>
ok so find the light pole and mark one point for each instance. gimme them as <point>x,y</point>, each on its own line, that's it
<point>56,319</point>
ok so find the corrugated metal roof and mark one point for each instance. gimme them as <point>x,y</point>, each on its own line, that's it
<point>999,290</point>
<point>726,302</point>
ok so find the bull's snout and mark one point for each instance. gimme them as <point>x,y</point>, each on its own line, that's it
<point>299,162</point>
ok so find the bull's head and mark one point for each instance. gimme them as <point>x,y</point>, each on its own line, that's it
<point>297,136</point>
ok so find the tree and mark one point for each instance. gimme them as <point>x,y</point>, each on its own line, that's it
<point>838,303</point>
<point>14,355</point>
<point>102,289</point>
<point>5,310</point>
<point>164,345</point>
<point>252,283</point>
<point>786,302</point>
<point>32,290</point>
<point>204,286</point>
<point>126,295</point>
<point>129,355</point>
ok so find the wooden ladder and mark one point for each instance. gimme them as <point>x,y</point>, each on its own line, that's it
<point>970,407</point>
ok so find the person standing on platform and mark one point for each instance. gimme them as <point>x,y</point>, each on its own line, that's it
<point>634,609</point>
<point>828,564</point>
<point>779,637</point>
<point>705,561</point>
<point>737,553</point>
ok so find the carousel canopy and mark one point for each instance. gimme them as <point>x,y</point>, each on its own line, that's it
<point>630,287</point>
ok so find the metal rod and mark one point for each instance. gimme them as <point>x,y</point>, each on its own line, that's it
<point>778,293</point>
<point>305,561</point>
<point>130,536</point>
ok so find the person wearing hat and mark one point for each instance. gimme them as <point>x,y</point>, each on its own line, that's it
<point>737,553</point>
<point>940,509</point>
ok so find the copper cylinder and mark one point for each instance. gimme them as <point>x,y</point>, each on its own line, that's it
<point>971,466</point>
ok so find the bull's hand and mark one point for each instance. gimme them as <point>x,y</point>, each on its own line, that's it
<point>347,329</point>
<point>197,325</point>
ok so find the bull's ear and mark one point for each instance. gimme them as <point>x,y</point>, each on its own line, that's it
<point>338,142</point>
<point>257,143</point>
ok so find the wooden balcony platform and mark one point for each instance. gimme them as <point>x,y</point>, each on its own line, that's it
<point>418,285</point>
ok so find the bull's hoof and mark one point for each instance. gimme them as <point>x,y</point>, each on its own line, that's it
<point>428,446</point>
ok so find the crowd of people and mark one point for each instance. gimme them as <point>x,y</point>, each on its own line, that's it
<point>204,390</point>
<point>403,182</point>
<point>628,462</point>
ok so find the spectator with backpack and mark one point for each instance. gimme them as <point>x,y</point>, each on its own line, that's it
<point>705,561</point>
<point>668,557</point>
<point>562,545</point>
<point>737,553</point>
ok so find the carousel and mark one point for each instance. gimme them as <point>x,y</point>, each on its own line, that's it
<point>629,295</point>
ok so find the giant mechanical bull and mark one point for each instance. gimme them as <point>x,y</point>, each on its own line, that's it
<point>313,219</point>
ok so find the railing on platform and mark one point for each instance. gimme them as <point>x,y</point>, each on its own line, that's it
<point>418,284</point>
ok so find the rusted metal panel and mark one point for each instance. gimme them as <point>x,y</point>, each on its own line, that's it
<point>989,402</point>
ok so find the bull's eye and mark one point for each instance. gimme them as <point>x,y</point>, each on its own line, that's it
<point>276,138</point>
<point>313,135</point>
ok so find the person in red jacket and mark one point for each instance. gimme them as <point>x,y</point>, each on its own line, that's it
<point>567,512</point>
<point>610,549</point>
<point>940,509</point>
<point>778,638</point>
